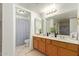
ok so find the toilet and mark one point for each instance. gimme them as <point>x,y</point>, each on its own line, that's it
<point>26,42</point>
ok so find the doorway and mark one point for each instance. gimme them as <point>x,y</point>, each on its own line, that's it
<point>23,22</point>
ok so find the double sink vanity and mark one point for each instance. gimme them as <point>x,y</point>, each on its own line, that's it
<point>52,46</point>
<point>60,35</point>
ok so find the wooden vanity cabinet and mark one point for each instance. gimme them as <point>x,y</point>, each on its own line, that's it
<point>55,48</point>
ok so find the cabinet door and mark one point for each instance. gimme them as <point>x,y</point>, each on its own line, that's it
<point>51,50</point>
<point>35,42</point>
<point>42,45</point>
<point>65,52</point>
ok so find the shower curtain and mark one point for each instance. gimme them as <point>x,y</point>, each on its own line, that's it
<point>22,30</point>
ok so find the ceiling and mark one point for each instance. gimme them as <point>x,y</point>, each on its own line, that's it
<point>38,7</point>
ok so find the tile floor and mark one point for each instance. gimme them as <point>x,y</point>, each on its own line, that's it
<point>26,51</point>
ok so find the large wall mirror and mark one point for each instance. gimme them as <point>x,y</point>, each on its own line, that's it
<point>63,24</point>
<point>38,26</point>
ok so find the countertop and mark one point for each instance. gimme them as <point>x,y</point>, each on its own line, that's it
<point>58,39</point>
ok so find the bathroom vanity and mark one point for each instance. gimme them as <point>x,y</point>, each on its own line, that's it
<point>52,46</point>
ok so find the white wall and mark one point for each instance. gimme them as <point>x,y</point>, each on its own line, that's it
<point>8,42</point>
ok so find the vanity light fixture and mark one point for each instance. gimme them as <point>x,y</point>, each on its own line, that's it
<point>50,9</point>
<point>20,11</point>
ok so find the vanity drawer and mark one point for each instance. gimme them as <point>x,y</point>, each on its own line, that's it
<point>60,44</point>
<point>48,41</point>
